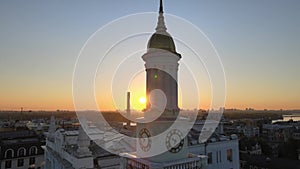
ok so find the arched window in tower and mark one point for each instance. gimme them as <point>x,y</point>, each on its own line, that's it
<point>21,152</point>
<point>9,153</point>
<point>33,150</point>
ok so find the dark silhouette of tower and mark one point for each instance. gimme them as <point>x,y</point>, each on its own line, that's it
<point>161,62</point>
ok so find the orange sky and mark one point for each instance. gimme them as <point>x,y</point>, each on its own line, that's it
<point>61,98</point>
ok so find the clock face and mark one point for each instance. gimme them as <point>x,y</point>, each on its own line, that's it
<point>144,139</point>
<point>174,141</point>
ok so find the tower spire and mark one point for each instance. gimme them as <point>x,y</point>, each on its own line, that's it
<point>161,27</point>
<point>161,9</point>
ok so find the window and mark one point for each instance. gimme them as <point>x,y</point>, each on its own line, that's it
<point>20,162</point>
<point>21,152</point>
<point>220,156</point>
<point>209,158</point>
<point>217,156</point>
<point>8,164</point>
<point>229,154</point>
<point>32,150</point>
<point>31,160</point>
<point>9,153</point>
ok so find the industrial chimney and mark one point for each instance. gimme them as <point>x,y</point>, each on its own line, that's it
<point>128,109</point>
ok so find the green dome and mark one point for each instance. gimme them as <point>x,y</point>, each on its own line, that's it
<point>161,41</point>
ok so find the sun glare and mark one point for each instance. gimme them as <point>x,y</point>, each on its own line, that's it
<point>142,100</point>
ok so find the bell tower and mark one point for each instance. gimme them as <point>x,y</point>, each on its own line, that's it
<point>161,63</point>
<point>160,144</point>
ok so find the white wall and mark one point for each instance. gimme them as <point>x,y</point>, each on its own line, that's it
<point>215,147</point>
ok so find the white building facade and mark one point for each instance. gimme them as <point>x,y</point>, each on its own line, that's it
<point>67,149</point>
<point>221,154</point>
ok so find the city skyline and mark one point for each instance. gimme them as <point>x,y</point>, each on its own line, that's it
<point>258,49</point>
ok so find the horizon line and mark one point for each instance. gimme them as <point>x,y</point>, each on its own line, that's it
<point>67,110</point>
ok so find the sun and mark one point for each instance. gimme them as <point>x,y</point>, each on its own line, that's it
<point>142,100</point>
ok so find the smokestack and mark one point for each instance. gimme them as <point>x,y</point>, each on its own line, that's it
<point>128,109</point>
<point>128,103</point>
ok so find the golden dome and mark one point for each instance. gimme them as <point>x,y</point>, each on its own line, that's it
<point>161,41</point>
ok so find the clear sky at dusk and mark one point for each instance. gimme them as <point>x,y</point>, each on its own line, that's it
<point>258,42</point>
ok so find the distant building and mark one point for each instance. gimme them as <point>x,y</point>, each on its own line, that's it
<point>296,134</point>
<point>243,127</point>
<point>262,162</point>
<point>251,150</point>
<point>251,131</point>
<point>37,125</point>
<point>276,133</point>
<point>21,149</point>
<point>296,137</point>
